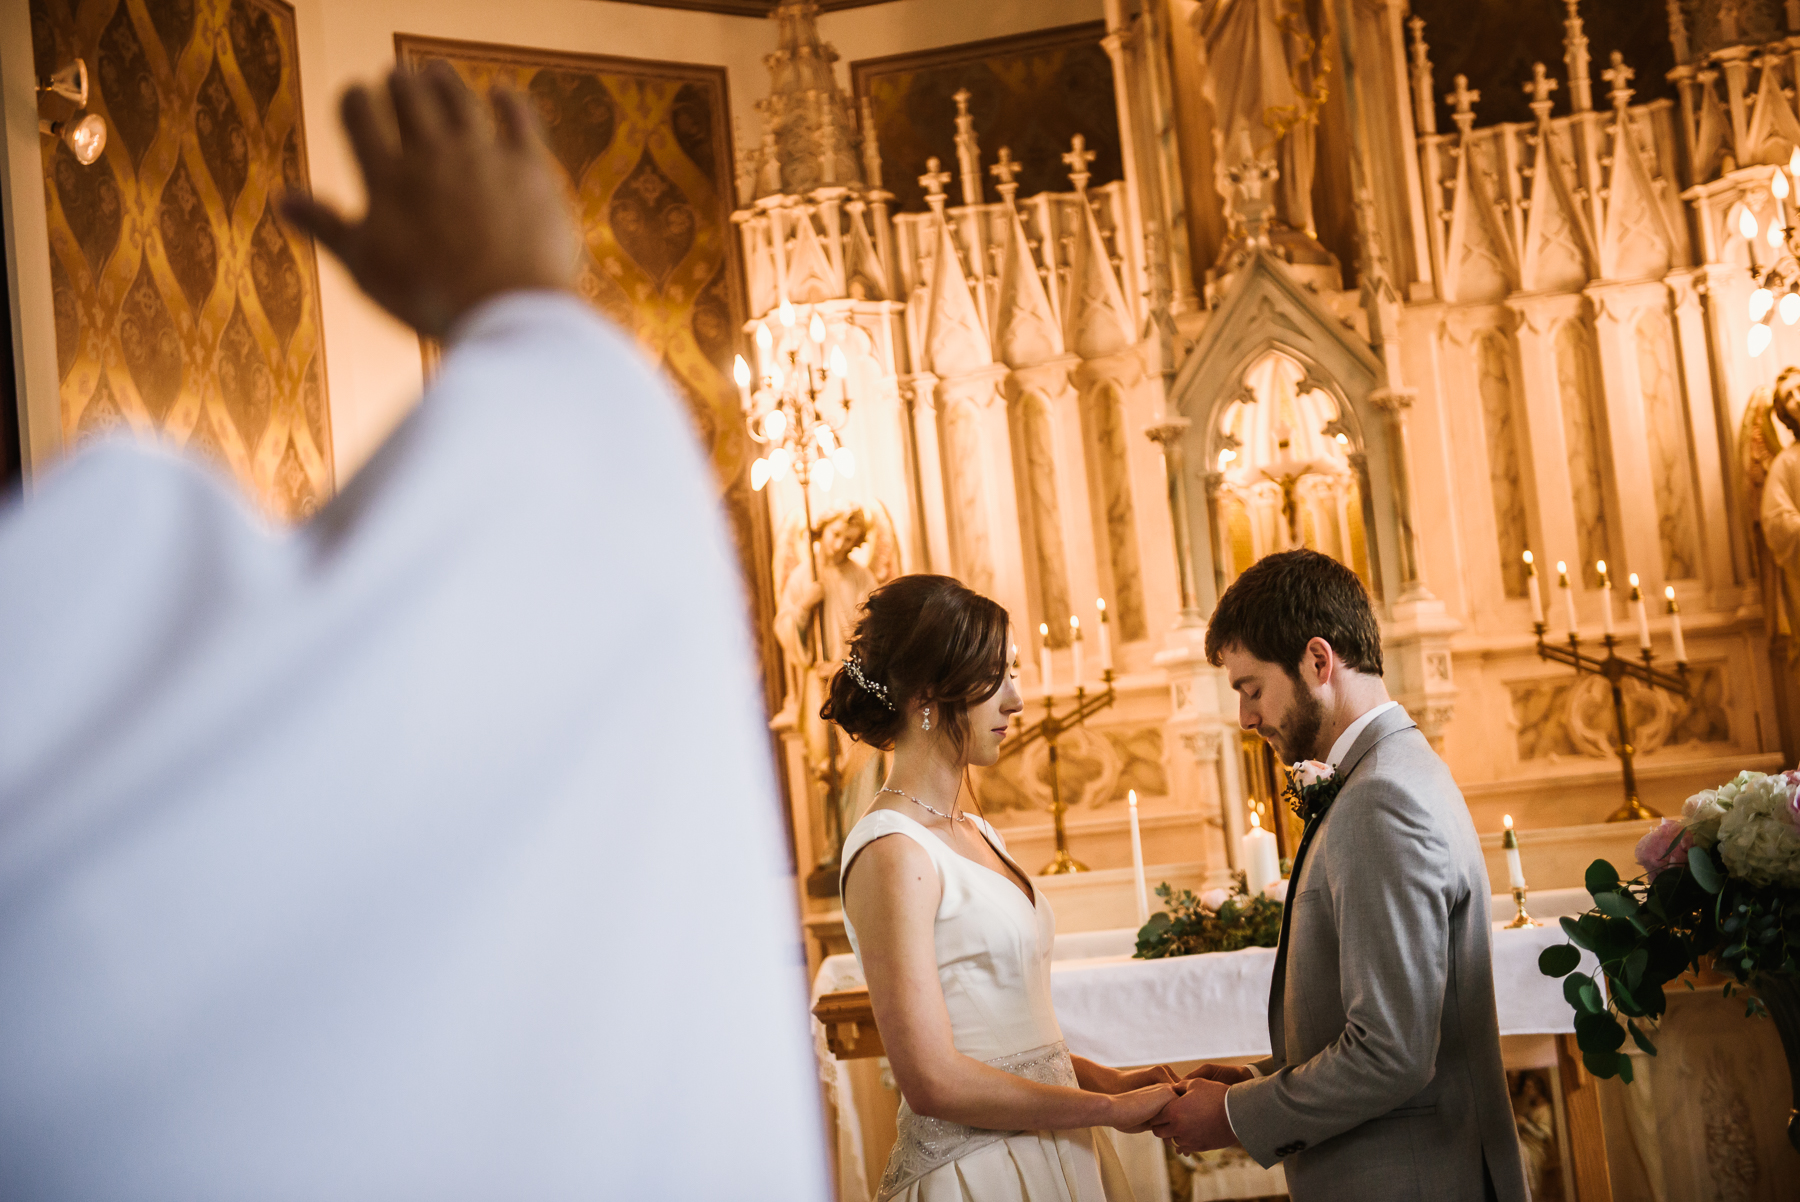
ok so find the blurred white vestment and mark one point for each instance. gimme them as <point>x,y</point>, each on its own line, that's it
<point>427,851</point>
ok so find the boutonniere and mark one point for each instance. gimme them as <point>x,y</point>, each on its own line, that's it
<point>1311,788</point>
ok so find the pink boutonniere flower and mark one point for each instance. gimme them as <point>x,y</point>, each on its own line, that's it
<point>1311,788</point>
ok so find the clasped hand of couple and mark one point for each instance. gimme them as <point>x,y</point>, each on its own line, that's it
<point>1187,1111</point>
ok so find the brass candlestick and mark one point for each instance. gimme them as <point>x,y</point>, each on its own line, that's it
<point>1615,668</point>
<point>1050,728</point>
<point>1523,919</point>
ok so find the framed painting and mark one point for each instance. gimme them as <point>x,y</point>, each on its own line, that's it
<point>646,152</point>
<point>184,308</point>
<point>1030,93</point>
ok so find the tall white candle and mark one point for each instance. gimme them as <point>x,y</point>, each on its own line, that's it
<point>1137,863</point>
<point>1606,625</point>
<point>1075,645</point>
<point>1562,581</point>
<point>1105,637</point>
<point>1675,625</point>
<point>1510,842</point>
<point>1637,611</point>
<point>1531,589</point>
<point>1262,864</point>
<point>1044,657</point>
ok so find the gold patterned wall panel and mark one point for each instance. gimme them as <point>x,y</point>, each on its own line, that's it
<point>185,309</point>
<point>647,157</point>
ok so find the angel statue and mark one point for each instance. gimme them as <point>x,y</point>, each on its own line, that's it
<point>813,620</point>
<point>1769,457</point>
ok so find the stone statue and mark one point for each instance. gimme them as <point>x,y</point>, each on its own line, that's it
<point>1771,476</point>
<point>1265,70</point>
<point>813,621</point>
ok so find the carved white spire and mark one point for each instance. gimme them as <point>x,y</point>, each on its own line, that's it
<point>1575,55</point>
<point>1678,34</point>
<point>1462,101</point>
<point>871,149</point>
<point>1424,104</point>
<point>968,149</point>
<point>1078,158</point>
<point>1539,90</point>
<point>1025,327</point>
<point>1620,77</point>
<point>809,132</point>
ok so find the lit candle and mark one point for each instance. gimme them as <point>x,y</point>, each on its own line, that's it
<point>1562,580</point>
<point>1261,863</point>
<point>1510,842</point>
<point>1675,625</point>
<point>1637,611</point>
<point>1531,590</point>
<point>1606,626</point>
<point>1044,657</point>
<point>740,372</point>
<point>1137,862</point>
<point>1075,645</point>
<point>1105,637</point>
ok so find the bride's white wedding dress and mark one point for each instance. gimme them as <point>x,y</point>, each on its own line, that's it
<point>993,956</point>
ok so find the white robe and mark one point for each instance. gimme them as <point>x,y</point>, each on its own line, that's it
<point>430,850</point>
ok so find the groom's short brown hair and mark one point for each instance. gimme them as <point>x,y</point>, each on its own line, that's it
<point>1284,601</point>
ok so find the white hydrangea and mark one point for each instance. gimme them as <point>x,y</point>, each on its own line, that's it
<point>1701,814</point>
<point>1757,835</point>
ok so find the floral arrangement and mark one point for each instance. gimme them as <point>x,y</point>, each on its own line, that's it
<point>1721,881</point>
<point>1215,921</point>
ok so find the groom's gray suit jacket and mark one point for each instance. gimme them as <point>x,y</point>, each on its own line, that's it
<point>1386,1082</point>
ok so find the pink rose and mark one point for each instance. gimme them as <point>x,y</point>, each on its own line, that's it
<point>1307,773</point>
<point>1664,847</point>
<point>1276,890</point>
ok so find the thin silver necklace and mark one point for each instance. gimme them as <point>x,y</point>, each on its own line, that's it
<point>955,815</point>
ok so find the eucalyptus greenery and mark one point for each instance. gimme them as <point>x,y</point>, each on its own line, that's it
<point>1648,931</point>
<point>1189,928</point>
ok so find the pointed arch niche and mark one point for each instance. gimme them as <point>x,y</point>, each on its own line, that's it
<point>1287,476</point>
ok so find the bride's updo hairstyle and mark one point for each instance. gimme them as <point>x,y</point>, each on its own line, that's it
<point>920,638</point>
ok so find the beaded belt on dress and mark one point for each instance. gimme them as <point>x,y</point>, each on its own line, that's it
<point>925,1144</point>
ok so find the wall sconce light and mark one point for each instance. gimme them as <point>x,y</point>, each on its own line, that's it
<point>85,136</point>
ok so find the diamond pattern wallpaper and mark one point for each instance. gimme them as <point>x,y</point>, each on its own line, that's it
<point>184,308</point>
<point>648,162</point>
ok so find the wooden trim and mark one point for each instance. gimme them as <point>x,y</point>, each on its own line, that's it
<point>746,8</point>
<point>1587,1136</point>
<point>1085,33</point>
<point>849,1019</point>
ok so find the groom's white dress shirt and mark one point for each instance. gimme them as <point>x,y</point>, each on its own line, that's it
<point>428,850</point>
<point>1334,757</point>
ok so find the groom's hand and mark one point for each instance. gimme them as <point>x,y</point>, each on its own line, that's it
<point>1225,1074</point>
<point>1196,1121</point>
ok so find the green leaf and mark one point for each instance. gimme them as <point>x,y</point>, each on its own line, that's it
<point>1635,964</point>
<point>1574,933</point>
<point>1616,905</point>
<point>1624,1066</point>
<point>1559,960</point>
<point>1582,994</point>
<point>1641,1039</point>
<point>1705,875</point>
<point>1599,1033</point>
<point>1602,877</point>
<point>1602,1064</point>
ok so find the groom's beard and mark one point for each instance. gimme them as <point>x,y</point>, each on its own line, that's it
<point>1298,738</point>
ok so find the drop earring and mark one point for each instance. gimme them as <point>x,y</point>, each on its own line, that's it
<point>926,725</point>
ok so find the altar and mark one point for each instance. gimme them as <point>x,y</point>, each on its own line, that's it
<point>1126,1013</point>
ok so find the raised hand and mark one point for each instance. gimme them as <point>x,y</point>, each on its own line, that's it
<point>464,204</point>
<point>1135,1110</point>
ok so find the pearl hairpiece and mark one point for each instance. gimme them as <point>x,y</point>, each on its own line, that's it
<point>853,665</point>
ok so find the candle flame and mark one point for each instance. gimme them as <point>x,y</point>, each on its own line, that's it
<point>740,371</point>
<point>1669,592</point>
<point>1044,629</point>
<point>1528,558</point>
<point>1600,566</point>
<point>1074,622</point>
<point>1633,579</point>
<point>1100,604</point>
<point>1507,818</point>
<point>1562,568</point>
<point>1131,797</point>
<point>1255,820</point>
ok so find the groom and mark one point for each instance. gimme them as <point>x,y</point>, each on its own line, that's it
<point>1385,1082</point>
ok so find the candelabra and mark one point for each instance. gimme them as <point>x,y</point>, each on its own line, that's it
<point>793,412</point>
<point>1614,667</point>
<point>1776,270</point>
<point>1050,728</point>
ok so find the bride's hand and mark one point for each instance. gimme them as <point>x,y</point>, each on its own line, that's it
<point>1160,1074</point>
<point>1135,1110</point>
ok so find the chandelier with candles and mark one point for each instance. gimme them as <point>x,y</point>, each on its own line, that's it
<point>1780,275</point>
<point>798,408</point>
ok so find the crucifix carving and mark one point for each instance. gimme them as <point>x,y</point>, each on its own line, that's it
<point>1539,90</point>
<point>1462,99</point>
<point>1005,170</point>
<point>1078,158</point>
<point>1619,76</point>
<point>933,182</point>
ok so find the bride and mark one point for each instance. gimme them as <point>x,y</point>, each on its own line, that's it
<point>954,941</point>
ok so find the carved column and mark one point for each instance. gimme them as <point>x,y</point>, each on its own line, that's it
<point>933,545</point>
<point>1393,403</point>
<point>1616,309</point>
<point>1715,472</point>
<point>1171,435</point>
<point>987,553</point>
<point>1546,435</point>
